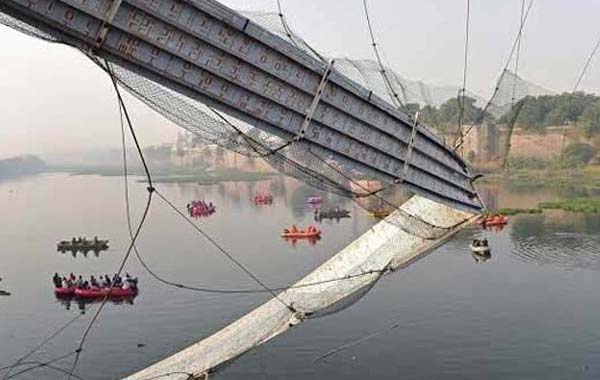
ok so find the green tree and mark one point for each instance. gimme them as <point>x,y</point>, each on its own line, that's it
<point>590,119</point>
<point>578,154</point>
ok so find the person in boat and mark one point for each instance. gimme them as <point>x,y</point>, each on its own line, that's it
<point>484,243</point>
<point>94,282</point>
<point>293,229</point>
<point>117,280</point>
<point>79,282</point>
<point>131,282</point>
<point>57,280</point>
<point>475,242</point>
<point>106,281</point>
<point>72,277</point>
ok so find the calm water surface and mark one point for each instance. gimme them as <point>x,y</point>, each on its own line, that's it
<point>532,311</point>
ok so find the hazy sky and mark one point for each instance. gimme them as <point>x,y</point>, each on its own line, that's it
<point>53,99</point>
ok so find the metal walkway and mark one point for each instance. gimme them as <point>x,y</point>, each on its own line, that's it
<point>210,53</point>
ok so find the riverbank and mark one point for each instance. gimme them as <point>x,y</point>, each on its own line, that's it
<point>171,174</point>
<point>587,178</point>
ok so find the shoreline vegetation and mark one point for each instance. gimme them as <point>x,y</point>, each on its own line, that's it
<point>581,205</point>
<point>586,178</point>
<point>171,174</point>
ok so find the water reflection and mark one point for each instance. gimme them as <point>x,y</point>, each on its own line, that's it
<point>82,252</point>
<point>82,304</point>
<point>558,238</point>
<point>481,257</point>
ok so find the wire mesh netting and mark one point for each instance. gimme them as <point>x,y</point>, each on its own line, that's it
<point>300,159</point>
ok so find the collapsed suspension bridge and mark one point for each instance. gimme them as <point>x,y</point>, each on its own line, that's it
<point>292,108</point>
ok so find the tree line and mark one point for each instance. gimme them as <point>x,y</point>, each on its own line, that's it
<point>533,113</point>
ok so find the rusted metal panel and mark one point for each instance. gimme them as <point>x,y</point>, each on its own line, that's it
<point>215,55</point>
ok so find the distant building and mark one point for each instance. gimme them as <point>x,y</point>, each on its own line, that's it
<point>190,150</point>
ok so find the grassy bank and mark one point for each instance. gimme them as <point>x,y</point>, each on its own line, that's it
<point>585,205</point>
<point>573,183</point>
<point>172,174</point>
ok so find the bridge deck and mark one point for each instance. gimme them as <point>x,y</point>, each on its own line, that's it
<point>215,55</point>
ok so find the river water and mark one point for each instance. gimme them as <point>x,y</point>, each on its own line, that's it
<point>531,311</point>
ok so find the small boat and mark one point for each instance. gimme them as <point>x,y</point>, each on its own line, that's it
<point>332,214</point>
<point>494,220</point>
<point>82,245</point>
<point>315,199</point>
<point>262,199</point>
<point>114,292</point>
<point>201,209</point>
<point>380,213</point>
<point>480,247</point>
<point>481,257</point>
<point>310,233</point>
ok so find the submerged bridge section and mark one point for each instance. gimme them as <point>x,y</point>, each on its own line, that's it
<point>212,54</point>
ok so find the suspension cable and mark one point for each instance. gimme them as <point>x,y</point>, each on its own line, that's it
<point>482,113</point>
<point>461,100</point>
<point>39,364</point>
<point>576,88</point>
<point>137,232</point>
<point>39,346</point>
<point>517,59</point>
<point>391,91</point>
<point>223,250</point>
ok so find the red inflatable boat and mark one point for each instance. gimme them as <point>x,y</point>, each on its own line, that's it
<point>102,292</point>
<point>497,220</point>
<point>64,292</point>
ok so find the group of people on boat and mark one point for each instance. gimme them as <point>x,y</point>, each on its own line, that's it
<point>100,282</point>
<point>480,243</point>
<point>201,208</point>
<point>83,242</point>
<point>263,199</point>
<point>332,213</point>
<point>295,232</point>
